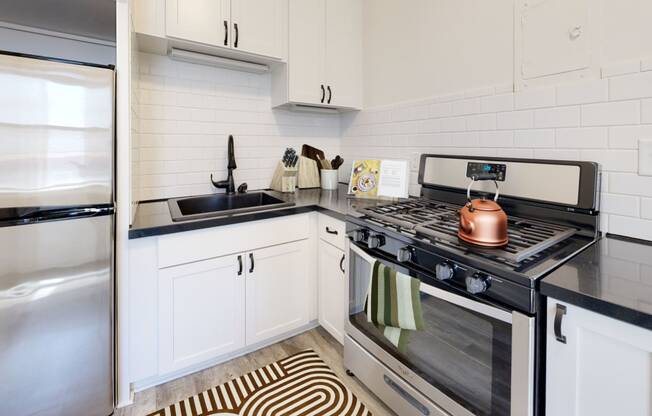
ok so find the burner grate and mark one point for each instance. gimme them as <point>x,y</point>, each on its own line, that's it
<point>527,238</point>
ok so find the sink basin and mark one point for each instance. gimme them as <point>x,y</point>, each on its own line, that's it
<point>218,205</point>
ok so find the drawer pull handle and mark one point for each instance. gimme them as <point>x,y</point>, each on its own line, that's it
<point>342,263</point>
<point>407,396</point>
<point>239,265</point>
<point>559,316</point>
<point>226,33</point>
<point>329,231</point>
<point>251,261</point>
<point>323,93</point>
<point>237,35</point>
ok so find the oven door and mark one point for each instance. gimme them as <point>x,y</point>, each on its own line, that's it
<point>471,358</point>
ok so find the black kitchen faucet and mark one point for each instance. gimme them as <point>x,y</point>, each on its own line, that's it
<point>228,183</point>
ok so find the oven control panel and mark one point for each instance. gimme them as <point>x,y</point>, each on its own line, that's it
<point>486,171</point>
<point>410,257</point>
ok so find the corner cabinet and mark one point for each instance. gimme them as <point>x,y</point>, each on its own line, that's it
<point>332,276</point>
<point>324,67</point>
<point>596,365</point>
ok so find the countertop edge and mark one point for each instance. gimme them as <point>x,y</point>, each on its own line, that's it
<point>603,307</point>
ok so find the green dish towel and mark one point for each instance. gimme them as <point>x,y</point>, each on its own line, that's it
<point>394,304</point>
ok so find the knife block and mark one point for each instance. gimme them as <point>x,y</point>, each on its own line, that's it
<point>284,179</point>
<point>308,173</point>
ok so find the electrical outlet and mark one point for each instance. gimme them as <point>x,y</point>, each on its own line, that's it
<point>645,157</point>
<point>414,161</point>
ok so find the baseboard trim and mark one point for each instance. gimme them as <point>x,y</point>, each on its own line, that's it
<point>158,380</point>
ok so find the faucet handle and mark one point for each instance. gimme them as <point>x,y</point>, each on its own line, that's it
<point>242,188</point>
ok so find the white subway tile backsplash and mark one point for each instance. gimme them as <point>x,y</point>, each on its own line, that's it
<point>630,184</point>
<point>614,113</point>
<point>482,122</point>
<point>646,111</point>
<point>453,124</point>
<point>467,106</point>
<point>541,138</point>
<point>496,103</point>
<point>557,117</point>
<point>620,205</point>
<point>646,64</point>
<point>500,138</point>
<point>584,137</point>
<point>646,208</point>
<point>515,120</point>
<point>630,86</point>
<point>535,98</point>
<point>584,92</point>
<point>627,137</point>
<point>613,160</point>
<point>438,110</point>
<point>621,68</point>
<point>633,227</point>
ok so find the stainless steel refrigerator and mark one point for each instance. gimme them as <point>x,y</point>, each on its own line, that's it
<point>56,237</point>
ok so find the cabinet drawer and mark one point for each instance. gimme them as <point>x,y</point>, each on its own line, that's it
<point>332,231</point>
<point>187,247</point>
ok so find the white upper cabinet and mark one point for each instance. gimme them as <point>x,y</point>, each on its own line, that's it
<point>596,365</point>
<point>277,290</point>
<point>203,21</point>
<point>307,45</point>
<point>324,56</point>
<point>343,52</point>
<point>259,26</point>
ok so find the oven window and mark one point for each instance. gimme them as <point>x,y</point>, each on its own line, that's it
<point>464,354</point>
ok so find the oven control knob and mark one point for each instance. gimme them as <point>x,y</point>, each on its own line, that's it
<point>376,241</point>
<point>404,254</point>
<point>478,283</point>
<point>360,235</point>
<point>444,271</point>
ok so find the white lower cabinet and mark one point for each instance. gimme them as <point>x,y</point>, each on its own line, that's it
<point>600,367</point>
<point>201,311</point>
<point>332,289</point>
<point>277,290</point>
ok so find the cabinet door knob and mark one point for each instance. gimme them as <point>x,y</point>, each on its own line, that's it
<point>239,265</point>
<point>323,93</point>
<point>559,316</point>
<point>330,94</point>
<point>237,35</point>
<point>342,263</point>
<point>251,262</point>
<point>226,33</point>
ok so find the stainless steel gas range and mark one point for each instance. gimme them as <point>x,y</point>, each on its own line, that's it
<point>481,351</point>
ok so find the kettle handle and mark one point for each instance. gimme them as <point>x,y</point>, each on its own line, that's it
<point>465,224</point>
<point>468,190</point>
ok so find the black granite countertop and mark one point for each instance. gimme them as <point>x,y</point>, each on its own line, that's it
<point>153,218</point>
<point>612,277</point>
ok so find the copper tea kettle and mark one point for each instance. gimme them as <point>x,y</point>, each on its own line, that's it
<point>483,222</point>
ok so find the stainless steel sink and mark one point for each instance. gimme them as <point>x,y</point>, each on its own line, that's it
<point>218,205</point>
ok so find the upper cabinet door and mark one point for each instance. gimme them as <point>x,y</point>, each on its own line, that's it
<point>307,45</point>
<point>259,26</point>
<point>277,290</point>
<point>204,21</point>
<point>344,53</point>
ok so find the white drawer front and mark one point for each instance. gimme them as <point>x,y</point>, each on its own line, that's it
<point>332,231</point>
<point>187,247</point>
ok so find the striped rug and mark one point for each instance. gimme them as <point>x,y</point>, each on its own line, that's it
<point>299,385</point>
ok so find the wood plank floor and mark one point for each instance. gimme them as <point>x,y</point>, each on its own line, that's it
<point>317,339</point>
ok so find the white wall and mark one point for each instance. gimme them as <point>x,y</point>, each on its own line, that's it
<point>424,48</point>
<point>186,114</point>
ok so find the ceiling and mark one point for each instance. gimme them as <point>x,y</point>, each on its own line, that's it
<point>88,18</point>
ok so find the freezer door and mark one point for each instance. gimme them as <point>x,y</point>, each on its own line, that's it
<point>56,133</point>
<point>56,318</point>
